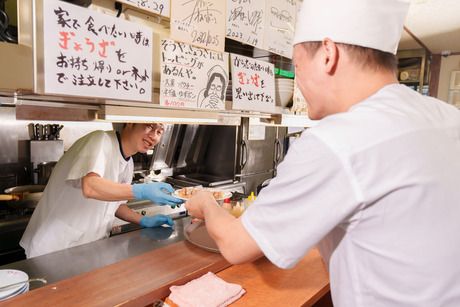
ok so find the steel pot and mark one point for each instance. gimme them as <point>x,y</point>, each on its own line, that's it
<point>44,171</point>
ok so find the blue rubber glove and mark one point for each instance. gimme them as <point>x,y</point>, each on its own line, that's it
<point>157,192</point>
<point>156,220</point>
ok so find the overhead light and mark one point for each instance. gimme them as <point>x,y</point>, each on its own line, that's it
<point>152,114</point>
<point>154,119</point>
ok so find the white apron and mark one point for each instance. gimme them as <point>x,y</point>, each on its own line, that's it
<point>64,217</point>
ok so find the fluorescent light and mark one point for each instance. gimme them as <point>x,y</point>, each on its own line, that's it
<point>155,119</point>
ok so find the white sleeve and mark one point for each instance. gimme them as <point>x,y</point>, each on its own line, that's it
<point>91,156</point>
<point>311,194</point>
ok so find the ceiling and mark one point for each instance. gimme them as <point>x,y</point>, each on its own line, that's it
<point>436,23</point>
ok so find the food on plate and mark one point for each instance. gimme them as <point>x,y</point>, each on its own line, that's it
<point>189,191</point>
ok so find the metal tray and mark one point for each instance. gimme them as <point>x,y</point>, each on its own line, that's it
<point>197,234</point>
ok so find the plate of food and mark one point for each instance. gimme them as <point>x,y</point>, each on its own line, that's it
<point>187,192</point>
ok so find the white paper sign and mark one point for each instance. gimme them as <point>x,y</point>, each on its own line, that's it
<point>192,77</point>
<point>160,7</point>
<point>246,21</point>
<point>279,27</point>
<point>253,84</point>
<point>91,54</point>
<point>199,22</point>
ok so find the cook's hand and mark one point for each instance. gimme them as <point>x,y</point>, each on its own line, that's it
<point>157,192</point>
<point>156,220</point>
<point>198,202</point>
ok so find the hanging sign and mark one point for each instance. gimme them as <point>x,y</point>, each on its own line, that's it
<point>246,21</point>
<point>253,84</point>
<point>192,77</point>
<point>91,54</point>
<point>199,22</point>
<point>159,7</point>
<point>279,27</point>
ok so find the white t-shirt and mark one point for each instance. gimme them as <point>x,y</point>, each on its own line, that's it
<point>378,188</point>
<point>64,217</point>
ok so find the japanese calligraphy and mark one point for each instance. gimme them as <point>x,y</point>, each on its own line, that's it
<point>246,21</point>
<point>192,77</point>
<point>280,24</point>
<point>160,7</point>
<point>87,53</point>
<point>253,85</point>
<point>199,22</point>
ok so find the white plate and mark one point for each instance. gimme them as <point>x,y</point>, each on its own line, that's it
<point>8,277</point>
<point>24,289</point>
<point>225,195</point>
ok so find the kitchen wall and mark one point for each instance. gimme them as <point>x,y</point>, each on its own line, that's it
<point>15,167</point>
<point>13,133</point>
<point>448,64</point>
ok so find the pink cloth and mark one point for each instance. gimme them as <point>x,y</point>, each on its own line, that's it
<point>206,291</point>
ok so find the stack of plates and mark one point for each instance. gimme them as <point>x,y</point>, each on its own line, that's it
<point>8,277</point>
<point>284,89</point>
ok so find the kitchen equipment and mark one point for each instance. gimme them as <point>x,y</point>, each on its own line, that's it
<point>44,170</point>
<point>26,196</point>
<point>38,132</point>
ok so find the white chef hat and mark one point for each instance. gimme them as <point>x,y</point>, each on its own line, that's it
<point>374,24</point>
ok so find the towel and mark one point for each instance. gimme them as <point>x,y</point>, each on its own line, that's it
<point>206,291</point>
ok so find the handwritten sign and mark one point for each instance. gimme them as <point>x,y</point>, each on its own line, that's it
<point>280,25</point>
<point>192,77</point>
<point>246,21</point>
<point>160,7</point>
<point>253,84</point>
<point>199,22</point>
<point>87,53</point>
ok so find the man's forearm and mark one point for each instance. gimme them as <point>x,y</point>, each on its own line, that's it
<point>96,187</point>
<point>234,242</point>
<point>125,213</point>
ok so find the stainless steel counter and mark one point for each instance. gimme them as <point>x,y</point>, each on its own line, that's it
<point>84,258</point>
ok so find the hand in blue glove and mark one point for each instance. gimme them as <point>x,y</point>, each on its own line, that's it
<point>156,220</point>
<point>157,192</point>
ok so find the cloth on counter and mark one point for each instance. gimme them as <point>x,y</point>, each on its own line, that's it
<point>206,291</point>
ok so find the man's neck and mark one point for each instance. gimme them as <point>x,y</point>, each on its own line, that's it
<point>361,86</point>
<point>126,146</point>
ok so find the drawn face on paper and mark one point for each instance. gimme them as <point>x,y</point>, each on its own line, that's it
<point>215,86</point>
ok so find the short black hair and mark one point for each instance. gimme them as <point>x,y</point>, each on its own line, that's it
<point>367,57</point>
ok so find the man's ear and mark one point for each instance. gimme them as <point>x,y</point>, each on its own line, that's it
<point>330,55</point>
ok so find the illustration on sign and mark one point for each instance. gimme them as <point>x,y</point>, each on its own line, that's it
<point>214,94</point>
<point>182,78</point>
<point>87,53</point>
<point>245,21</point>
<point>199,22</point>
<point>253,84</point>
<point>160,7</point>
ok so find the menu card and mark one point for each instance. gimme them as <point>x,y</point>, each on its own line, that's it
<point>246,21</point>
<point>253,84</point>
<point>192,77</point>
<point>91,54</point>
<point>160,7</point>
<point>199,22</point>
<point>280,25</point>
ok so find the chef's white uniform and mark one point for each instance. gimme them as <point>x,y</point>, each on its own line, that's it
<point>378,188</point>
<point>64,217</point>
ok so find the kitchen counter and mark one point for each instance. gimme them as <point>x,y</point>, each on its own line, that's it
<point>137,268</point>
<point>85,258</point>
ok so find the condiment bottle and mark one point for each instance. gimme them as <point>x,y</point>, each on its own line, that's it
<point>248,201</point>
